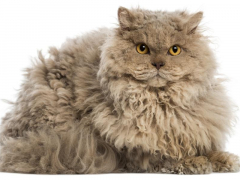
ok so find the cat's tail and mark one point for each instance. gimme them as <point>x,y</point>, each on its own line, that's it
<point>46,152</point>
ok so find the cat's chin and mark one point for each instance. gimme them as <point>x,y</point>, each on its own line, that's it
<point>157,81</point>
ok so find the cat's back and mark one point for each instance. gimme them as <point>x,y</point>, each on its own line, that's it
<point>54,85</point>
<point>85,51</point>
<point>85,48</point>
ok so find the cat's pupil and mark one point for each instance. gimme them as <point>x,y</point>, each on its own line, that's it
<point>142,47</point>
<point>175,49</point>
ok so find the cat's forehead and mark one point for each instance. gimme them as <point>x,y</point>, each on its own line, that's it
<point>160,32</point>
<point>165,19</point>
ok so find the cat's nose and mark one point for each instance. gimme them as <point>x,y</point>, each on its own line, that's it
<point>158,65</point>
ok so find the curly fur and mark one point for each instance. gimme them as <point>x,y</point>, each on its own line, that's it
<point>97,106</point>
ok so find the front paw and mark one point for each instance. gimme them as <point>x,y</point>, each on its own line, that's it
<point>195,165</point>
<point>224,162</point>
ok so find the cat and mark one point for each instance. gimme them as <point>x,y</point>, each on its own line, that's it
<point>141,97</point>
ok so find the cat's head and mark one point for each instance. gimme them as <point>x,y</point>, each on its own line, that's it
<point>157,48</point>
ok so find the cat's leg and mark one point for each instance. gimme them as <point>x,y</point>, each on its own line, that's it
<point>215,161</point>
<point>138,161</point>
<point>194,165</point>
<point>46,152</point>
<point>224,162</point>
<point>188,165</point>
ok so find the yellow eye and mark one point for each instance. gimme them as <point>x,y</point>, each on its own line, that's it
<point>142,49</point>
<point>175,50</point>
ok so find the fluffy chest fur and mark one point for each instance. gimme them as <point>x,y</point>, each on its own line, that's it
<point>175,122</point>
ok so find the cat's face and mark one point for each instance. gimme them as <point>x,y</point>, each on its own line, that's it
<point>158,48</point>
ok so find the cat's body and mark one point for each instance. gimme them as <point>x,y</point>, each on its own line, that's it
<point>95,107</point>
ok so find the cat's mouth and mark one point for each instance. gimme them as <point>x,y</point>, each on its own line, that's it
<point>159,74</point>
<point>154,78</point>
<point>146,75</point>
<point>158,80</point>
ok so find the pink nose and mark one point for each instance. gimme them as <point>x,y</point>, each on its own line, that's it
<point>158,65</point>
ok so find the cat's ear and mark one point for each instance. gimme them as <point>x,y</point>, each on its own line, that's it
<point>193,22</point>
<point>125,18</point>
<point>129,20</point>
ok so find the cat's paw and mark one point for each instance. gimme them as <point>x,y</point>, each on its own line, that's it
<point>195,165</point>
<point>224,162</point>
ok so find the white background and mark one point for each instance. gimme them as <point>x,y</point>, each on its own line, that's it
<point>27,26</point>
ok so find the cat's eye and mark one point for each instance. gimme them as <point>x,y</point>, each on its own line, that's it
<point>142,49</point>
<point>174,50</point>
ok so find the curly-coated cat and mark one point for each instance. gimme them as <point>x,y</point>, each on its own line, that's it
<point>142,97</point>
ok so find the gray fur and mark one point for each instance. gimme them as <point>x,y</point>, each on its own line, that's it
<point>98,106</point>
